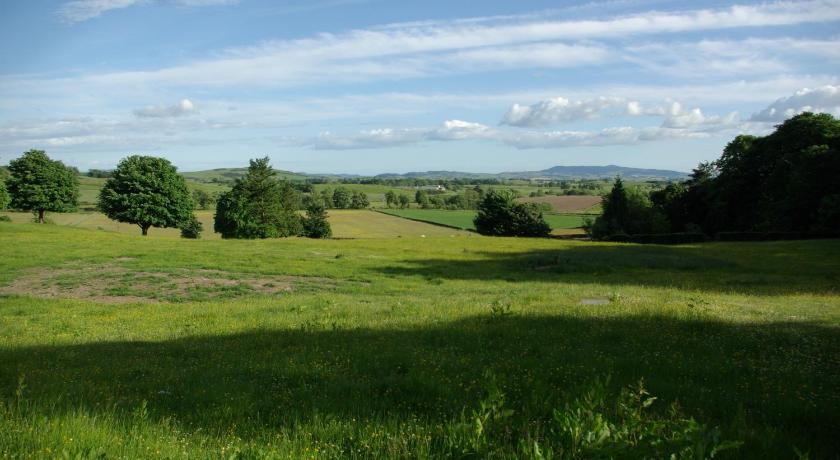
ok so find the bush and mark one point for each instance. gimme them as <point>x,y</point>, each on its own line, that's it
<point>500,215</point>
<point>5,219</point>
<point>315,224</point>
<point>192,229</point>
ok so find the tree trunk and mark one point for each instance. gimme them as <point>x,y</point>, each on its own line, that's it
<point>40,216</point>
<point>145,228</point>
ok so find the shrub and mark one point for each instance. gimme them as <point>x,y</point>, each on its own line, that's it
<point>192,229</point>
<point>315,224</point>
<point>500,215</point>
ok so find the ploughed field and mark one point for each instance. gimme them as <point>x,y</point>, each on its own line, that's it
<point>117,346</point>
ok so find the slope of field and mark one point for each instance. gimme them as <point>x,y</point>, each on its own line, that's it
<point>118,346</point>
<point>464,218</point>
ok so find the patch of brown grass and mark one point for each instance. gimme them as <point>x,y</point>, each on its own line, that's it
<point>113,283</point>
<point>565,203</point>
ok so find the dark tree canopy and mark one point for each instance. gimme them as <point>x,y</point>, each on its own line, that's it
<point>315,224</point>
<point>39,184</point>
<point>259,206</point>
<point>783,182</point>
<point>4,196</point>
<point>499,214</point>
<point>359,200</point>
<point>148,192</point>
<point>341,198</point>
<point>390,198</point>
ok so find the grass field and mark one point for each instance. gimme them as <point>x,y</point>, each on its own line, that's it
<point>344,223</point>
<point>118,346</point>
<point>464,218</point>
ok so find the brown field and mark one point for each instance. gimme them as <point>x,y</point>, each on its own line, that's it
<point>565,203</point>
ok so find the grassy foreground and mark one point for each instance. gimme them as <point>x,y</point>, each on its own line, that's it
<point>442,346</point>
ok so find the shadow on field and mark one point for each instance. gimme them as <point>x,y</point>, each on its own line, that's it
<point>753,268</point>
<point>781,377</point>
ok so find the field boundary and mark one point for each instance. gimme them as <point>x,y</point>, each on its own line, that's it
<point>425,221</point>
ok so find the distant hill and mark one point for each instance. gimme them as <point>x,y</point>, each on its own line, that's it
<point>557,172</point>
<point>598,172</point>
<point>227,175</point>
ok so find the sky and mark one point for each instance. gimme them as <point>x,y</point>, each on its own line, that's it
<point>375,86</point>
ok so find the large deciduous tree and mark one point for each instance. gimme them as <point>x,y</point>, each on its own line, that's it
<point>40,184</point>
<point>258,206</point>
<point>148,192</point>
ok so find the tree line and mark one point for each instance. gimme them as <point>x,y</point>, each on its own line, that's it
<point>786,181</point>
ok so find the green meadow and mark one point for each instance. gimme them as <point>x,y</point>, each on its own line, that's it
<point>463,219</point>
<point>117,346</point>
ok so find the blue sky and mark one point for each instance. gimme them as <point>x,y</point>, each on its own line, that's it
<point>366,86</point>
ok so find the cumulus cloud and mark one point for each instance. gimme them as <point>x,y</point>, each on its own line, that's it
<point>388,137</point>
<point>824,99</point>
<point>559,110</point>
<point>184,107</point>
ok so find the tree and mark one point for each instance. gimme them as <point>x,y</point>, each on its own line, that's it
<point>191,229</point>
<point>4,196</point>
<point>148,192</point>
<point>203,199</point>
<point>404,200</point>
<point>258,206</point>
<point>390,198</point>
<point>628,211</point>
<point>499,214</point>
<point>421,197</point>
<point>327,198</point>
<point>315,224</point>
<point>39,184</point>
<point>341,198</point>
<point>359,200</point>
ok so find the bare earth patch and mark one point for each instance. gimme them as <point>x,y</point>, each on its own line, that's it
<point>565,203</point>
<point>111,283</point>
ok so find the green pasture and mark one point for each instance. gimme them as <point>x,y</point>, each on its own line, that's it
<point>117,346</point>
<point>464,218</point>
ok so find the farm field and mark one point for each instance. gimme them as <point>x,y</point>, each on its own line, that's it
<point>464,218</point>
<point>345,224</point>
<point>567,203</point>
<point>114,345</point>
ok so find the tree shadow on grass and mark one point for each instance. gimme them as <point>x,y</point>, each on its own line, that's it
<point>752,268</point>
<point>781,378</point>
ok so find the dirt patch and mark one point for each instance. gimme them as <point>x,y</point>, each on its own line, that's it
<point>565,203</point>
<point>111,283</point>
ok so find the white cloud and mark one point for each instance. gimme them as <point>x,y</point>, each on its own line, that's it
<point>412,50</point>
<point>824,99</point>
<point>184,107</point>
<point>559,110</point>
<point>83,10</point>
